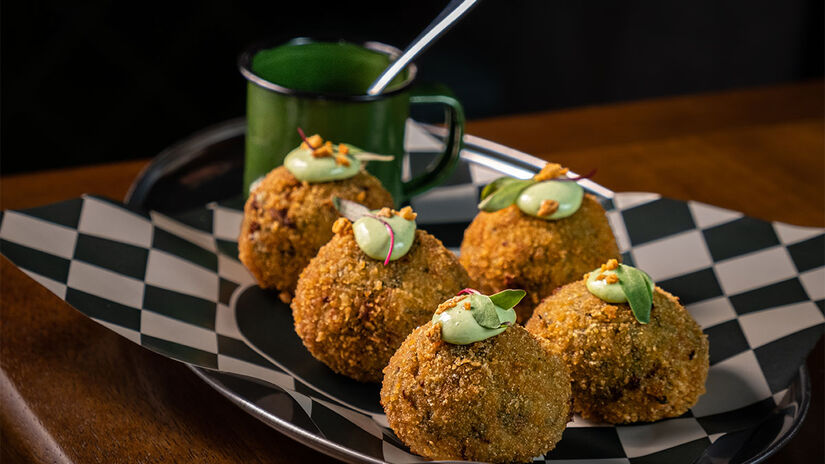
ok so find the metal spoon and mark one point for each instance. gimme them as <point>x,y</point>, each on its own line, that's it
<point>454,11</point>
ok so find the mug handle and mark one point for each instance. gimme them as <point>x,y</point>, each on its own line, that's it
<point>448,160</point>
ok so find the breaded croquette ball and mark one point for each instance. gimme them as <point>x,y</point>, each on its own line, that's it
<point>503,399</point>
<point>625,371</point>
<point>352,312</point>
<point>510,249</point>
<point>286,221</point>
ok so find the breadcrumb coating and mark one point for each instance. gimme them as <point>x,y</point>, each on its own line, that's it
<point>352,312</point>
<point>624,371</point>
<point>503,399</point>
<point>286,221</point>
<point>510,249</point>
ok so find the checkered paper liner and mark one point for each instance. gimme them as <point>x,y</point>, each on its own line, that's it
<point>175,286</point>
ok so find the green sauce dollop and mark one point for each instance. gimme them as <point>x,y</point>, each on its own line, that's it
<point>459,327</point>
<point>374,239</point>
<point>308,168</point>
<point>611,293</point>
<point>568,194</point>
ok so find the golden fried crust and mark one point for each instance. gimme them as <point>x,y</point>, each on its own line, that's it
<point>286,221</point>
<point>352,312</point>
<point>510,249</point>
<point>624,371</point>
<point>503,399</point>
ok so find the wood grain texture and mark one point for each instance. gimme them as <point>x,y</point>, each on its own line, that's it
<point>73,391</point>
<point>647,120</point>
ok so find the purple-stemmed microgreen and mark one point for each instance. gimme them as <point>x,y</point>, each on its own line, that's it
<point>304,138</point>
<point>389,231</point>
<point>468,291</point>
<point>355,211</point>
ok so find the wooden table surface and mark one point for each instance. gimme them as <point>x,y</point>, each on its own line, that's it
<point>71,391</point>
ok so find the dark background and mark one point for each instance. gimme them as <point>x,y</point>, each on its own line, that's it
<point>93,81</point>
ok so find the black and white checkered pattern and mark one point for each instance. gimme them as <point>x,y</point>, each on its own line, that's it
<point>173,285</point>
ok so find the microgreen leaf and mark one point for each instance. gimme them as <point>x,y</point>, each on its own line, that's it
<point>638,291</point>
<point>495,185</point>
<point>575,178</point>
<point>649,282</point>
<point>367,156</point>
<point>350,209</point>
<point>506,299</point>
<point>504,196</point>
<point>362,155</point>
<point>484,311</point>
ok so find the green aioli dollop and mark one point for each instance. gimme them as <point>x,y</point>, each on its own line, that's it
<point>308,168</point>
<point>459,327</point>
<point>374,239</point>
<point>567,193</point>
<point>611,293</point>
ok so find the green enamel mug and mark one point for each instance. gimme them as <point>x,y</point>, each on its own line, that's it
<point>321,88</point>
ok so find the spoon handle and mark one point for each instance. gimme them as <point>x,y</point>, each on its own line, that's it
<point>441,24</point>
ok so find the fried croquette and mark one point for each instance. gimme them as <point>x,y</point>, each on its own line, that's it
<point>510,249</point>
<point>286,221</point>
<point>352,312</point>
<point>503,399</point>
<point>624,371</point>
